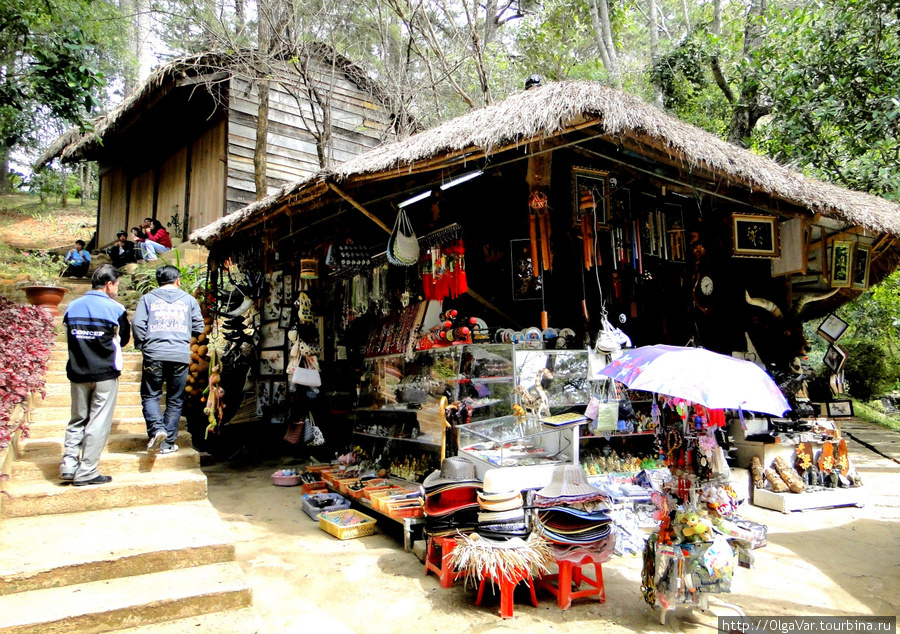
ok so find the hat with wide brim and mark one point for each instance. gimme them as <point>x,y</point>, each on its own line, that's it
<point>499,517</point>
<point>569,481</point>
<point>502,504</point>
<point>451,501</point>
<point>453,472</point>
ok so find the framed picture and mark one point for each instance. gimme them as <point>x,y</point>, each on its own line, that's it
<point>755,236</point>
<point>591,193</point>
<point>832,328</point>
<point>272,335</point>
<point>271,362</point>
<point>841,253</point>
<point>859,279</point>
<point>840,409</point>
<point>525,285</point>
<point>834,358</point>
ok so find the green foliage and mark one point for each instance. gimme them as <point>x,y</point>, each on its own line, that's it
<point>193,276</point>
<point>868,371</point>
<point>42,267</point>
<point>832,73</point>
<point>867,413</point>
<point>54,55</point>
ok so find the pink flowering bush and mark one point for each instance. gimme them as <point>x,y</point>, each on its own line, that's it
<point>26,338</point>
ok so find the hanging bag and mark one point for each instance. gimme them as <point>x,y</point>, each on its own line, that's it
<point>307,373</point>
<point>608,410</point>
<point>403,245</point>
<point>312,435</point>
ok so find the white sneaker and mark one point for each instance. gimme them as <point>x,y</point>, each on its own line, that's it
<point>158,439</point>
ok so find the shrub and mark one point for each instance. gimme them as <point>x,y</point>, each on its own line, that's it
<point>869,369</point>
<point>26,338</point>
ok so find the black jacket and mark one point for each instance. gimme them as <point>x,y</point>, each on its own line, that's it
<point>96,329</point>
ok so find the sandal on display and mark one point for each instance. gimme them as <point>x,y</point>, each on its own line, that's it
<point>778,485</point>
<point>842,460</point>
<point>826,458</point>
<point>804,457</point>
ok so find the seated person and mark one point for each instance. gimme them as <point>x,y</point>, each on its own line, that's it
<point>79,261</point>
<point>156,239</point>
<point>122,251</point>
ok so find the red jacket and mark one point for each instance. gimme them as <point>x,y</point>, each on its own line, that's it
<point>160,237</point>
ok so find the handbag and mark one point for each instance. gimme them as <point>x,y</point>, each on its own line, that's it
<point>608,411</point>
<point>306,373</point>
<point>403,245</point>
<point>312,435</point>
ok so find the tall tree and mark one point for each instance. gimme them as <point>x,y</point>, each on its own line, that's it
<point>832,75</point>
<point>52,61</point>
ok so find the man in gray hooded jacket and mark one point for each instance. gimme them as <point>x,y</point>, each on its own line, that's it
<point>165,320</point>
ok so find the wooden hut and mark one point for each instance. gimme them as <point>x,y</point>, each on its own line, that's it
<point>180,149</point>
<point>687,236</point>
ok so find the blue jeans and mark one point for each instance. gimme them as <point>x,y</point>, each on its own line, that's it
<point>152,376</point>
<point>149,249</point>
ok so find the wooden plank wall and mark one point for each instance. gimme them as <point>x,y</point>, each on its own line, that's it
<point>113,205</point>
<point>359,124</point>
<point>141,199</point>
<point>208,176</point>
<point>172,184</point>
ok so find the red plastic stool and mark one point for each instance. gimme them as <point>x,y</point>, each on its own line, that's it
<point>507,587</point>
<point>569,572</point>
<point>440,565</point>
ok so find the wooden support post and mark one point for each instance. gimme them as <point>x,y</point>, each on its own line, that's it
<point>337,190</point>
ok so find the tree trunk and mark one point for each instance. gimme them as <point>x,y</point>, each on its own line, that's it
<point>4,169</point>
<point>599,10</point>
<point>239,18</point>
<point>81,183</point>
<point>63,186</point>
<point>88,182</point>
<point>262,133</point>
<point>749,108</point>
<point>654,52</point>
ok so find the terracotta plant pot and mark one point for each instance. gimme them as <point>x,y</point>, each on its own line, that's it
<point>46,297</point>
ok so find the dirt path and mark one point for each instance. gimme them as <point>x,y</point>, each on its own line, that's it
<point>820,563</point>
<point>26,224</point>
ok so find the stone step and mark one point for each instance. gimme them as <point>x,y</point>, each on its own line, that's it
<point>57,429</point>
<point>110,543</point>
<point>244,621</point>
<point>62,414</point>
<point>111,463</point>
<point>56,398</point>
<point>38,497</point>
<point>102,606</point>
<point>32,448</point>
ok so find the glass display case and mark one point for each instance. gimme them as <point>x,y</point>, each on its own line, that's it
<point>487,379</point>
<point>563,375</point>
<point>510,441</point>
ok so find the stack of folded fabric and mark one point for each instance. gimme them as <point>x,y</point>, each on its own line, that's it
<point>573,516</point>
<point>501,516</point>
<point>451,498</point>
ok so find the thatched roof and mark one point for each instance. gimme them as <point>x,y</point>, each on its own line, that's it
<point>74,144</point>
<point>557,108</point>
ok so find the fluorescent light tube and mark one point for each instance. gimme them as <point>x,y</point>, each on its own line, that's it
<point>461,179</point>
<point>414,199</point>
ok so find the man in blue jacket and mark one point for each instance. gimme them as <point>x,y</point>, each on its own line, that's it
<point>96,330</point>
<point>79,261</point>
<point>164,321</point>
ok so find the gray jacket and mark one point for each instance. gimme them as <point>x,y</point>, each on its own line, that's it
<point>164,321</point>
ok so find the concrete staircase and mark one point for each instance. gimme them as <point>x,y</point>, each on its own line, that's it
<point>145,553</point>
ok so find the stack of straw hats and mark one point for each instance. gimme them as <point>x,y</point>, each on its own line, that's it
<point>451,497</point>
<point>501,516</point>
<point>571,512</point>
